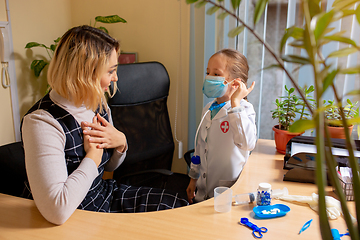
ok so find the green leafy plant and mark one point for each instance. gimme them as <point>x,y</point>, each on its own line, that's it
<point>333,114</point>
<point>310,38</point>
<point>38,65</point>
<point>290,106</point>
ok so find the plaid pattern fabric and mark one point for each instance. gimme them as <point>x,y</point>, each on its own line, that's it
<point>105,195</point>
<point>144,199</point>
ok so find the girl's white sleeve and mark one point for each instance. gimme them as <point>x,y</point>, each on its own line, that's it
<point>56,194</point>
<point>243,126</point>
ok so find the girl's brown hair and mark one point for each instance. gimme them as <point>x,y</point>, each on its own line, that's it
<point>78,64</point>
<point>237,64</point>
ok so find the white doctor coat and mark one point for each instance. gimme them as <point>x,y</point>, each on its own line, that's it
<point>223,145</point>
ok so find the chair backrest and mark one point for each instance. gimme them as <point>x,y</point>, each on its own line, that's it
<point>13,176</point>
<point>139,110</point>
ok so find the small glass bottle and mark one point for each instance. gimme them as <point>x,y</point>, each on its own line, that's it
<point>263,194</point>
<point>245,198</point>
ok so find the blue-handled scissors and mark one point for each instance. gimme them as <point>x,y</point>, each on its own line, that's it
<point>257,232</point>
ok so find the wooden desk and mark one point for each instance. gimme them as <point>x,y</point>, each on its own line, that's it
<point>20,219</point>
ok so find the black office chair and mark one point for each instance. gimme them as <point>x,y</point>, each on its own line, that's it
<point>13,178</point>
<point>139,110</point>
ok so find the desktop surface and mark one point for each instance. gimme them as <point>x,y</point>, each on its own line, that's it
<point>20,219</point>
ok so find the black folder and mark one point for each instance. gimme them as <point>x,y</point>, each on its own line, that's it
<point>301,165</point>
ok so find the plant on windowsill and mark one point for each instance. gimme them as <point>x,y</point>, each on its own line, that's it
<point>38,65</point>
<point>310,39</point>
<point>287,109</point>
<point>333,115</point>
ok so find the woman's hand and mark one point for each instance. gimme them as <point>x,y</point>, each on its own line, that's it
<point>105,135</point>
<point>90,148</point>
<point>240,92</point>
<point>191,190</point>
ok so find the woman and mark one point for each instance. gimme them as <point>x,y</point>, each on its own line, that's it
<point>69,139</point>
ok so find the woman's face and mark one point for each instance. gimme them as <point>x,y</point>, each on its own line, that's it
<point>110,75</point>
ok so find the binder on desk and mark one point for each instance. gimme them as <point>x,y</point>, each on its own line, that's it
<point>300,157</point>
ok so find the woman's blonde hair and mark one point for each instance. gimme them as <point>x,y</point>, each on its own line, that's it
<point>237,64</point>
<point>78,64</point>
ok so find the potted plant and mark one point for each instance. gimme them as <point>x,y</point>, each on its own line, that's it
<point>287,109</point>
<point>310,39</point>
<point>333,115</point>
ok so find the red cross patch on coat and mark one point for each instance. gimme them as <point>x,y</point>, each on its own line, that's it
<point>224,126</point>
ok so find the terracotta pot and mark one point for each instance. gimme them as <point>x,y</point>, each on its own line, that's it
<point>282,137</point>
<point>339,132</point>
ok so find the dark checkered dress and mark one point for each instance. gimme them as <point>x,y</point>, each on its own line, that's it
<point>105,195</point>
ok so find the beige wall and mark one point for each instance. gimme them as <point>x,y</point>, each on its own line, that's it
<point>153,30</point>
<point>35,21</point>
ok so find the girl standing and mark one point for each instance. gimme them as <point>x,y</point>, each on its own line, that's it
<point>227,132</point>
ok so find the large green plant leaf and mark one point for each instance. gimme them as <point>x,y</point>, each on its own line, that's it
<point>235,3</point>
<point>191,1</point>
<point>38,66</point>
<point>295,59</point>
<point>351,70</point>
<point>295,32</point>
<point>34,44</point>
<point>297,44</point>
<point>259,10</point>
<point>212,10</point>
<point>223,15</point>
<point>53,47</point>
<point>354,93</point>
<point>110,19</point>
<point>302,125</point>
<point>314,7</point>
<point>357,13</point>
<point>329,80</point>
<point>343,52</point>
<point>200,4</point>
<point>341,39</point>
<point>235,31</point>
<point>322,22</point>
<point>343,4</point>
<point>104,29</point>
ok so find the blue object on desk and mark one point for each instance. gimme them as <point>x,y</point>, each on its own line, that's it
<point>257,231</point>
<point>336,235</point>
<point>306,226</point>
<point>271,211</point>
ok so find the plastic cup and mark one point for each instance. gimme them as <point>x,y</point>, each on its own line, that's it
<point>222,199</point>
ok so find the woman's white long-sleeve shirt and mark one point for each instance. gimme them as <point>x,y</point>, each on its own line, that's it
<point>223,144</point>
<point>57,194</point>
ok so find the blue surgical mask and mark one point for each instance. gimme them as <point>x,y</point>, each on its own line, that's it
<point>214,86</point>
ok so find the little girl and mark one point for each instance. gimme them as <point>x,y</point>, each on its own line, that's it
<point>227,131</point>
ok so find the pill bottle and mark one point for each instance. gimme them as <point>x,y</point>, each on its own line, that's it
<point>263,194</point>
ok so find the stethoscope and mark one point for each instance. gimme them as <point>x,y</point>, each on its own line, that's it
<point>212,107</point>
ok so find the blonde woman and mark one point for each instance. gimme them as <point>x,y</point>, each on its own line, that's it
<point>69,139</point>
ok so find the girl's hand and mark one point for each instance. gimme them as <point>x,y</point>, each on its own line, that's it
<point>105,135</point>
<point>240,91</point>
<point>90,148</point>
<point>191,190</point>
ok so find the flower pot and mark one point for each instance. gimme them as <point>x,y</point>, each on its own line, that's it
<point>339,132</point>
<point>282,137</point>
